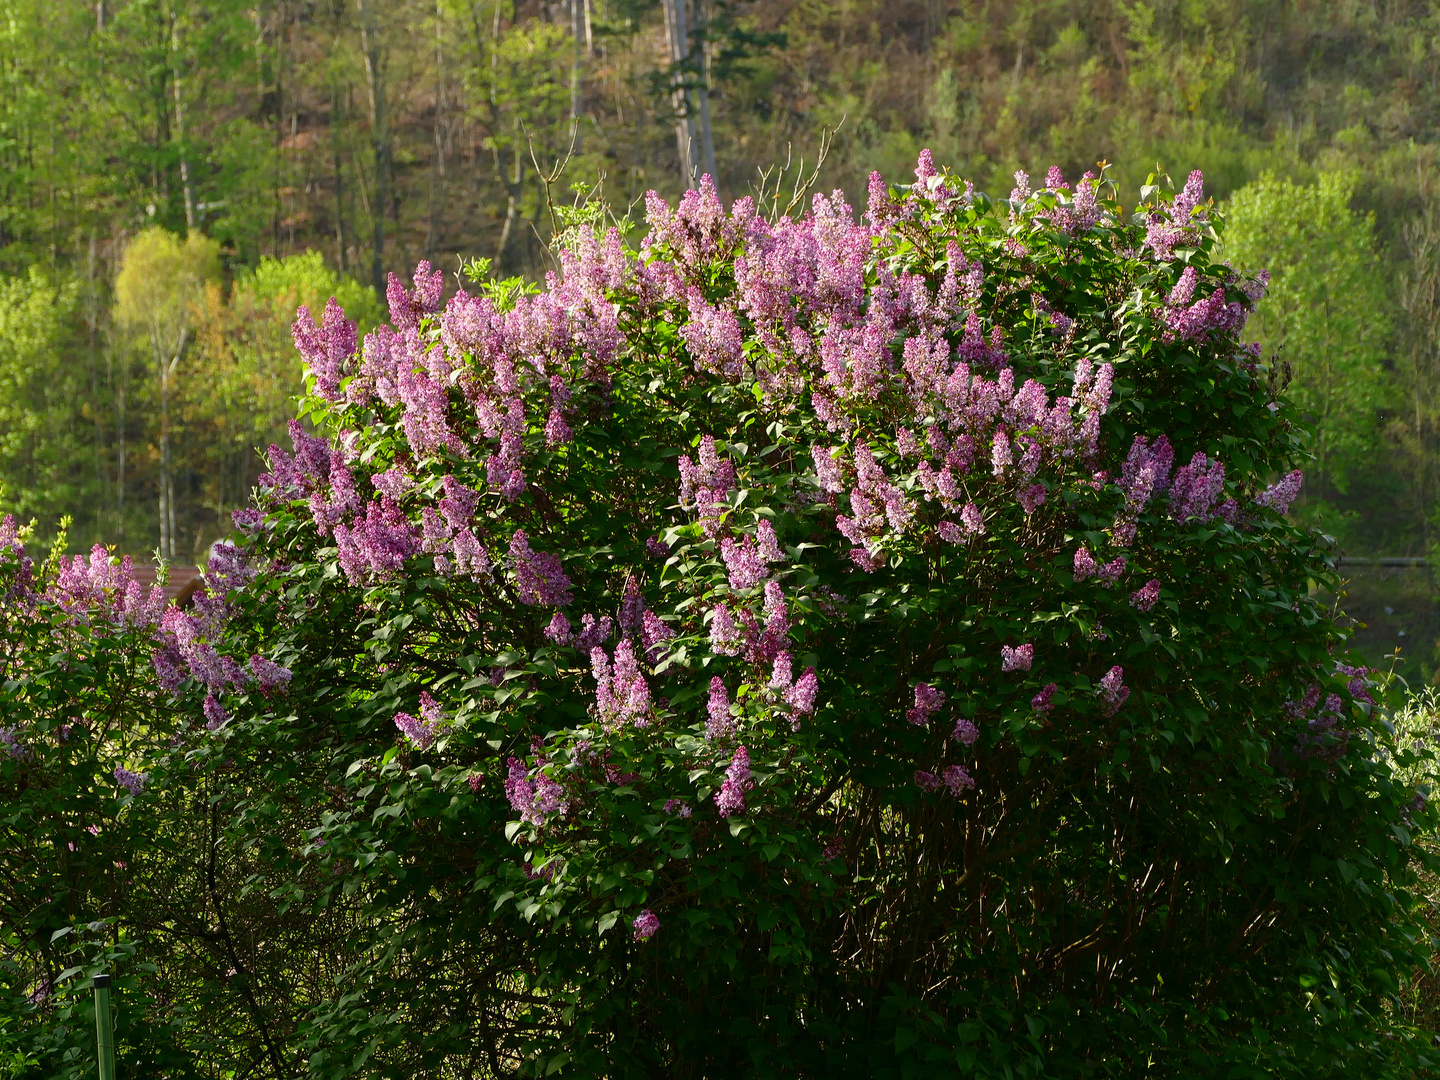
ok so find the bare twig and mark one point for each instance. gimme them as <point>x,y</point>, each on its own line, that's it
<point>548,178</point>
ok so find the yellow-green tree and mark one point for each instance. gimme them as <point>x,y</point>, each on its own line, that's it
<point>1327,312</point>
<point>159,294</point>
<point>252,377</point>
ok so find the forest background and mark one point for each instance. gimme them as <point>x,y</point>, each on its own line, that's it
<point>177,175</point>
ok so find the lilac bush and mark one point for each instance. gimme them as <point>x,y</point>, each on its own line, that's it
<point>99,837</point>
<point>820,599</point>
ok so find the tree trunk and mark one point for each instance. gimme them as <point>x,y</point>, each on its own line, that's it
<point>187,189</point>
<point>167,365</point>
<point>702,89</point>
<point>437,170</point>
<point>513,189</point>
<point>514,186</point>
<point>336,119</point>
<point>577,64</point>
<point>375,83</point>
<point>167,546</point>
<point>678,38</point>
<point>281,16</point>
<point>120,450</point>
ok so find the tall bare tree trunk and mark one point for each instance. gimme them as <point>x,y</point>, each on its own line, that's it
<point>678,38</point>
<point>120,446</point>
<point>375,82</point>
<point>336,118</point>
<point>701,51</point>
<point>186,187</point>
<point>513,189</point>
<point>167,543</point>
<point>514,186</point>
<point>578,27</point>
<point>281,26</point>
<point>437,171</point>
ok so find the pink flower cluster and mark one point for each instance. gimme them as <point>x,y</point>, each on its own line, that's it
<point>1087,566</point>
<point>1195,490</point>
<point>927,702</point>
<point>719,723</point>
<point>1188,319</point>
<point>15,747</point>
<point>1043,702</point>
<point>646,924</point>
<point>328,350</point>
<point>1145,474</point>
<point>534,796</point>
<point>1178,223</point>
<point>1279,495</point>
<point>1145,597</point>
<point>622,696</point>
<point>1112,690</point>
<point>106,587</point>
<point>956,779</point>
<point>1072,214</point>
<point>706,484</point>
<point>539,578</point>
<point>423,732</point>
<point>730,799</point>
<point>1017,659</point>
<point>744,562</point>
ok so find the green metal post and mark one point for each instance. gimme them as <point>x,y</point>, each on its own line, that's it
<point>104,1034</point>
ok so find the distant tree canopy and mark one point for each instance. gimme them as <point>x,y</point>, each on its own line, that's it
<point>377,134</point>
<point>382,133</point>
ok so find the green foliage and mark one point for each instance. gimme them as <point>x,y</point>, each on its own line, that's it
<point>39,391</point>
<point>1328,312</point>
<point>282,285</point>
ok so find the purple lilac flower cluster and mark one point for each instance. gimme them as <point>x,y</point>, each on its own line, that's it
<point>706,484</point>
<point>927,702</point>
<point>1112,690</point>
<point>622,696</point>
<point>423,732</point>
<point>11,738</point>
<point>1178,223</point>
<point>730,799</point>
<point>956,779</point>
<point>1279,495</point>
<point>646,924</point>
<point>534,795</point>
<point>1018,658</point>
<point>106,587</point>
